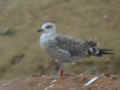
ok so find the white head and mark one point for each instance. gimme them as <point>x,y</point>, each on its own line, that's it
<point>48,28</point>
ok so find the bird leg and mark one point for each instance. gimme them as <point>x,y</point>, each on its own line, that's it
<point>61,71</point>
<point>57,69</point>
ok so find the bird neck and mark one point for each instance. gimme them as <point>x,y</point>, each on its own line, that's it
<point>45,37</point>
<point>48,35</point>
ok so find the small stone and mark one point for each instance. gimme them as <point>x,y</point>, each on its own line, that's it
<point>4,31</point>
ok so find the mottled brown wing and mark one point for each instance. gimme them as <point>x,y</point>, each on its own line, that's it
<point>74,46</point>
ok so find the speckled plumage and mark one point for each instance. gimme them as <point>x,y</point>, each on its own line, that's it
<point>66,48</point>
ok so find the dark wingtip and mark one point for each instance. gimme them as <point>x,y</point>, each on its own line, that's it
<point>108,53</point>
<point>105,52</point>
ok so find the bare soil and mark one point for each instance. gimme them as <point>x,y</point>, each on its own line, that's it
<point>70,82</point>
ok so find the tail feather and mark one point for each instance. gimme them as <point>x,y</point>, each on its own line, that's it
<point>100,52</point>
<point>104,52</point>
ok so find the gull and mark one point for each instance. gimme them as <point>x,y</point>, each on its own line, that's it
<point>64,48</point>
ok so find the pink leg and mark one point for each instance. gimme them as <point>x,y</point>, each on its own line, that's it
<point>58,66</point>
<point>61,73</point>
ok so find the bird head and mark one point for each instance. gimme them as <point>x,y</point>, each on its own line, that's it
<point>47,28</point>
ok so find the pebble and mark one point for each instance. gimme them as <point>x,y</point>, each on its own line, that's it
<point>4,31</point>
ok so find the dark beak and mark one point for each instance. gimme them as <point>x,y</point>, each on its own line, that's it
<point>40,30</point>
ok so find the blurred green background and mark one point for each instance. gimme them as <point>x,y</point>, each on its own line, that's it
<point>20,52</point>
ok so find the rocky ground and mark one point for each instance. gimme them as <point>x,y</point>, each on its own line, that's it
<point>70,82</point>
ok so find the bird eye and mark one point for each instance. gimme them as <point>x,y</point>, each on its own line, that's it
<point>49,26</point>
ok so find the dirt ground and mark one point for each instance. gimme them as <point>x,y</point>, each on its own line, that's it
<point>70,82</point>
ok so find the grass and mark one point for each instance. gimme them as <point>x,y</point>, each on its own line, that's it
<point>80,18</point>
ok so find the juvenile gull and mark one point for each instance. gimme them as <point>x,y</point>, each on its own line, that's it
<point>65,48</point>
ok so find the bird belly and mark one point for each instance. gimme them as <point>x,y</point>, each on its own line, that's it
<point>54,53</point>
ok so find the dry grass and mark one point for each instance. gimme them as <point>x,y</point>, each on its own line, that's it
<point>79,18</point>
